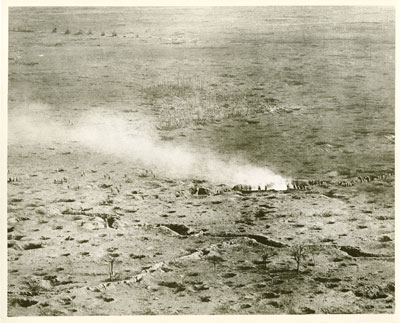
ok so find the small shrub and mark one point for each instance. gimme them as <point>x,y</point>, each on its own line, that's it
<point>215,259</point>
<point>111,260</point>
<point>146,173</point>
<point>67,32</point>
<point>108,201</point>
<point>102,33</point>
<point>267,256</point>
<point>35,288</point>
<point>41,210</point>
<point>80,32</point>
<point>114,34</point>
<point>54,30</point>
<point>111,268</point>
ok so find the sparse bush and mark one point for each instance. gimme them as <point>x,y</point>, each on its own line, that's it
<point>384,238</point>
<point>108,201</point>
<point>54,30</point>
<point>102,33</point>
<point>215,259</point>
<point>34,287</point>
<point>267,256</point>
<point>110,221</point>
<point>67,32</point>
<point>80,32</point>
<point>114,34</point>
<point>90,32</point>
<point>147,173</point>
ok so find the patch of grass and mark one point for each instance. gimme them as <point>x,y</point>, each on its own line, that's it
<point>326,214</point>
<point>372,188</point>
<point>32,245</point>
<point>22,30</point>
<point>180,87</point>
<point>29,63</point>
<point>34,204</point>
<point>185,101</point>
<point>16,200</point>
<point>41,211</point>
<point>50,312</point>
<point>34,288</point>
<point>346,172</point>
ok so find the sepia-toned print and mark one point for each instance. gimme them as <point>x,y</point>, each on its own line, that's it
<point>201,160</point>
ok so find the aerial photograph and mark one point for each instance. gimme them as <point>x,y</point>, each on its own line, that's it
<point>210,160</point>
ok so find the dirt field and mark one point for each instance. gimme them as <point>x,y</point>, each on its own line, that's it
<point>129,128</point>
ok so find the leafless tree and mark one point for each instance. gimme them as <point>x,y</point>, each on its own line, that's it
<point>299,254</point>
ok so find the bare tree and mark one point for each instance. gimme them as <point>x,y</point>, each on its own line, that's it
<point>298,254</point>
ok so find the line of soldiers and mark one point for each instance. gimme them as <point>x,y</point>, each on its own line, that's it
<point>305,185</point>
<point>366,179</point>
<point>248,188</point>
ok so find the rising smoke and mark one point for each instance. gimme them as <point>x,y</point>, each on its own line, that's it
<point>137,142</point>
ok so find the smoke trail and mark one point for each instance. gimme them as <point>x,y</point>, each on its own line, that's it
<point>138,142</point>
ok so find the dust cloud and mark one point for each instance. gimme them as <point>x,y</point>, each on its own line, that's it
<point>136,141</point>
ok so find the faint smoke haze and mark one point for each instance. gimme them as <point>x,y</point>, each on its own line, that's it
<point>137,142</point>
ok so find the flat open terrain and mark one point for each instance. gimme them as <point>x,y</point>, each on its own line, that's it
<point>129,128</point>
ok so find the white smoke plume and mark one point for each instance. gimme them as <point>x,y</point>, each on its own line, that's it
<point>138,142</point>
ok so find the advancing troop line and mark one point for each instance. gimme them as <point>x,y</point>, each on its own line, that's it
<point>305,185</point>
<point>302,185</point>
